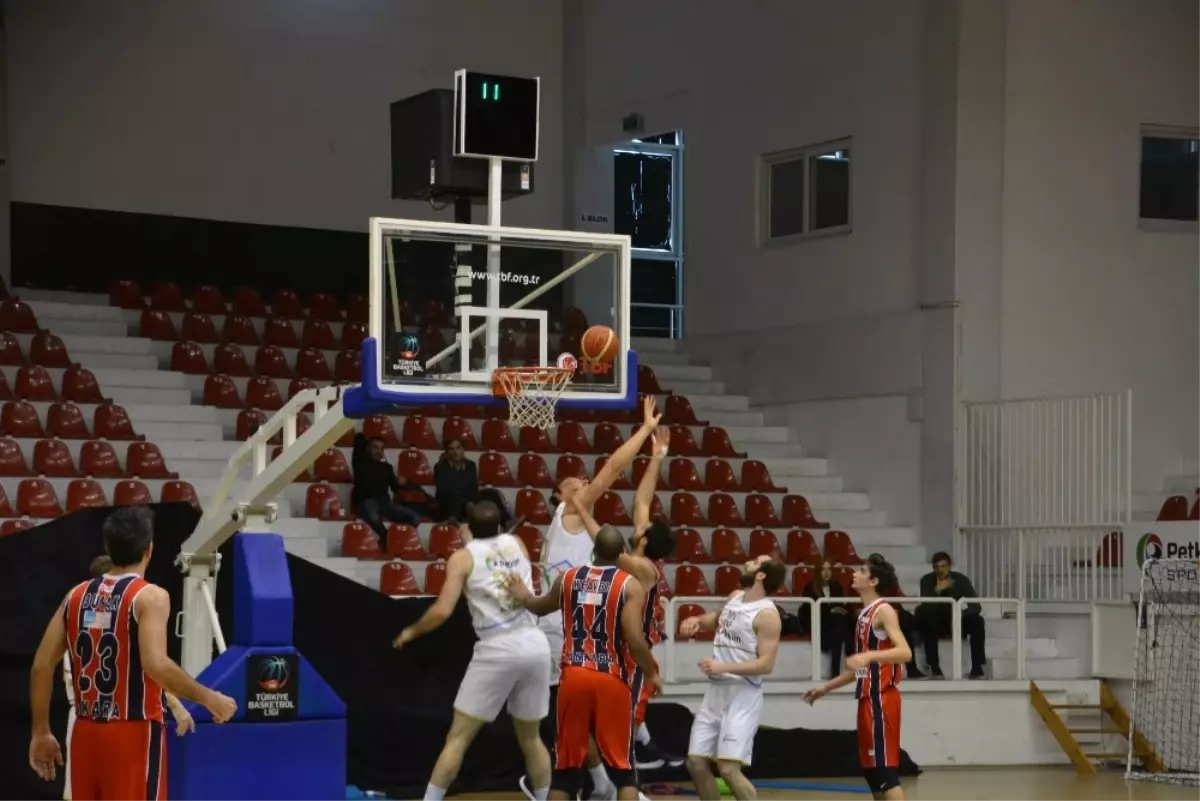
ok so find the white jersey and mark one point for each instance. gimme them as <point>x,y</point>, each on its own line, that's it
<point>493,610</point>
<point>736,640</point>
<point>563,550</point>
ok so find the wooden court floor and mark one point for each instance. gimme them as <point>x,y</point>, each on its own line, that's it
<point>987,784</point>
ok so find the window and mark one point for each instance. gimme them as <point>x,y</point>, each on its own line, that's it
<point>805,192</point>
<point>1170,178</point>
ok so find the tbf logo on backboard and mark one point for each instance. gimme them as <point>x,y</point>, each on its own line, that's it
<point>408,348</point>
<point>584,366</point>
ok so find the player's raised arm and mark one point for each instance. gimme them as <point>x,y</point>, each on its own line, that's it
<point>623,455</point>
<point>540,605</point>
<point>152,609</point>
<point>458,567</point>
<point>579,508</point>
<point>706,622</point>
<point>635,638</point>
<point>767,628</point>
<point>898,654</point>
<point>644,498</point>
<point>44,751</point>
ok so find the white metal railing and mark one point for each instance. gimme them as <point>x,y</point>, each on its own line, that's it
<point>1041,483</point>
<point>956,635</point>
<point>213,620</point>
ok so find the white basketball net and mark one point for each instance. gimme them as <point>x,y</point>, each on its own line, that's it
<point>533,393</point>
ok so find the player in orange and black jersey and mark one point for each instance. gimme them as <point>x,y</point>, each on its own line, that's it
<point>876,668</point>
<point>605,656</point>
<point>115,627</point>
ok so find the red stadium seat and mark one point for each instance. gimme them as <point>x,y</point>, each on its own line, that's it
<point>456,428</point>
<point>270,361</point>
<point>79,385</point>
<point>347,367</point>
<point>188,357</point>
<point>396,578</point>
<point>208,300</point>
<point>444,540</point>
<point>111,421</point>
<point>12,459</point>
<point>685,511</point>
<point>683,443</point>
<point>656,509</point>
<point>689,547</point>
<point>13,526</point>
<point>357,309</point>
<point>51,458</point>
<point>493,470</point>
<point>689,581</point>
<point>5,390</point>
<point>535,440</point>
<point>761,512</point>
<point>65,421</point>
<point>1174,509</point>
<point>317,334</point>
<point>323,306</point>
<point>756,477</point>
<point>48,350</point>
<point>715,442</point>
<point>156,324</point>
<point>723,510</point>
<point>802,548</point>
<point>727,547</point>
<point>403,543</point>
<point>36,498</point>
<point>126,295</point>
<point>322,501</point>
<point>145,460</point>
<point>728,579</point>
<point>574,321</point>
<point>20,419</point>
<point>607,438</point>
<point>179,492</point>
<point>286,303</point>
<point>433,314</point>
<point>263,393</point>
<point>360,542</point>
<point>279,332</point>
<point>331,466</point>
<point>303,477</point>
<point>797,513</point>
<point>694,610</point>
<point>220,391</point>
<point>10,350</point>
<point>532,537</point>
<point>533,472</point>
<point>801,577</point>
<point>239,330</point>
<point>198,327</point>
<point>98,459</point>
<point>844,576</point>
<point>1195,513</point>
<point>764,543</point>
<point>647,382</point>
<point>682,475</point>
<point>413,466</point>
<point>611,509</point>
<point>435,577</point>
<point>84,493</point>
<point>248,302</point>
<point>622,480</point>
<point>678,411</point>
<point>569,467</point>
<point>298,385</point>
<point>249,421</point>
<point>33,383</point>
<point>131,492</point>
<point>1111,552</point>
<point>496,437</point>
<point>311,363</point>
<point>840,550</point>
<point>167,297</point>
<point>17,317</point>
<point>353,335</point>
<point>531,505</point>
<point>718,476</point>
<point>572,439</point>
<point>229,359</point>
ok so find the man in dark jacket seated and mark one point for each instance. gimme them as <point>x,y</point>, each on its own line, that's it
<point>457,482</point>
<point>934,620</point>
<point>374,482</point>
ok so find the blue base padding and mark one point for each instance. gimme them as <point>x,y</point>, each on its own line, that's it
<point>303,759</point>
<point>262,590</point>
<point>227,674</point>
<point>374,398</point>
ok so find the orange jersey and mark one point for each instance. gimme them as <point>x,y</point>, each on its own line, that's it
<point>592,600</point>
<point>874,678</point>
<point>106,663</point>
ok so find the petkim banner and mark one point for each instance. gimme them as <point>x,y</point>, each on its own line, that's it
<point>1158,540</point>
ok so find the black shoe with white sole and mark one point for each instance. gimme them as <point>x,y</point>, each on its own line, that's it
<point>648,757</point>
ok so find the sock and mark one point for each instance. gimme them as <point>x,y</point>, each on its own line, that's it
<point>541,793</point>
<point>434,793</point>
<point>600,779</point>
<point>643,734</point>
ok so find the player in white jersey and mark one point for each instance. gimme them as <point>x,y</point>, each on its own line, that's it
<point>511,663</point>
<point>744,649</point>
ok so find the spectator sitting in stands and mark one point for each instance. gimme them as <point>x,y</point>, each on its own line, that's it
<point>508,523</point>
<point>374,481</point>
<point>837,624</point>
<point>934,619</point>
<point>457,482</point>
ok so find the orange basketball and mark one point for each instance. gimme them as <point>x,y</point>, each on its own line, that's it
<point>599,344</point>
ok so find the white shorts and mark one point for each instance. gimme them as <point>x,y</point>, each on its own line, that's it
<point>552,627</point>
<point>725,724</point>
<point>512,668</point>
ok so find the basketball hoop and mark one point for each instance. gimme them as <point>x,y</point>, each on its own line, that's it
<point>532,393</point>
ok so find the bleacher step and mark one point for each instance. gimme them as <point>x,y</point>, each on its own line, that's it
<point>787,465</point>
<point>704,404</point>
<point>72,306</point>
<point>1037,669</point>
<point>693,388</point>
<point>166,433</point>
<point>128,396</point>
<point>655,344</point>
<point>1181,485</point>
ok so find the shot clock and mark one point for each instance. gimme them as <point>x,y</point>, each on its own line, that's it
<point>495,116</point>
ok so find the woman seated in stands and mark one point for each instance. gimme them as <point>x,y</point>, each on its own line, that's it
<point>837,624</point>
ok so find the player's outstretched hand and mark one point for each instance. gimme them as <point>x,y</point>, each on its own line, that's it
<point>45,755</point>
<point>183,720</point>
<point>221,706</point>
<point>650,413</point>
<point>661,442</point>
<point>402,639</point>
<point>690,627</point>
<point>812,696</point>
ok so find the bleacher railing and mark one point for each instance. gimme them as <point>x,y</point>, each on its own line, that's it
<point>1042,484</point>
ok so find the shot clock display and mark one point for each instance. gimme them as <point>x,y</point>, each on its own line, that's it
<point>496,116</point>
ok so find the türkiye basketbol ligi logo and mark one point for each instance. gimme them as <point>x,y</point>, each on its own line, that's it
<point>273,674</point>
<point>409,347</point>
<point>1150,546</point>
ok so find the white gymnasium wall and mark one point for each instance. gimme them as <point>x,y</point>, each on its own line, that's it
<point>1089,302</point>
<point>272,111</point>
